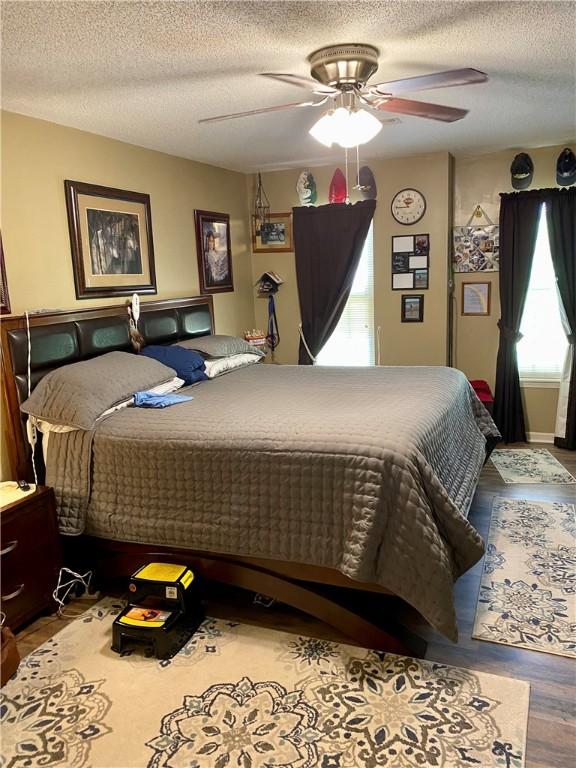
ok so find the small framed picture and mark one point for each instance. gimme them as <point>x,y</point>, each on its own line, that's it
<point>476,298</point>
<point>422,245</point>
<point>413,308</point>
<point>275,236</point>
<point>111,240</point>
<point>213,251</point>
<point>421,279</point>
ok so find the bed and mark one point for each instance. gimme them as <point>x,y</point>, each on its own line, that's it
<point>274,477</point>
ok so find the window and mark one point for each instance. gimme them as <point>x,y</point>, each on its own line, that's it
<point>352,342</point>
<point>542,349</point>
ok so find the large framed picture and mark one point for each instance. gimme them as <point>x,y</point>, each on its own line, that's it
<point>111,240</point>
<point>275,236</point>
<point>213,251</point>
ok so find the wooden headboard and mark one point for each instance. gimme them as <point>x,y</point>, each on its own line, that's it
<point>62,337</point>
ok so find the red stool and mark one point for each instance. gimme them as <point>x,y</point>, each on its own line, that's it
<point>483,393</point>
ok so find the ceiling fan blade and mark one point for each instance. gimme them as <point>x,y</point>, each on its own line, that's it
<point>263,111</point>
<point>427,82</point>
<point>420,109</point>
<point>301,81</point>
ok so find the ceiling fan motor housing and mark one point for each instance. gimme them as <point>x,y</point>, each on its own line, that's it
<point>344,66</point>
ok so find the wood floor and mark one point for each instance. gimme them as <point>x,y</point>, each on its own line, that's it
<point>552,720</point>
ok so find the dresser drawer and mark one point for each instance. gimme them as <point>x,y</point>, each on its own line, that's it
<point>30,556</point>
<point>26,528</point>
<point>24,598</point>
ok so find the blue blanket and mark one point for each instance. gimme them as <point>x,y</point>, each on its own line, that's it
<point>151,400</point>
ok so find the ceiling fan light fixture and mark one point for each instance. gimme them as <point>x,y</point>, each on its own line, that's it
<point>323,130</point>
<point>362,127</point>
<point>346,127</point>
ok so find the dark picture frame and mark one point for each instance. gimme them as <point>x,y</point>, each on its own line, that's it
<point>4,295</point>
<point>213,251</point>
<point>111,240</point>
<point>410,262</point>
<point>413,308</point>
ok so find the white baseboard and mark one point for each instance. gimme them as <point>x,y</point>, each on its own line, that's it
<point>540,437</point>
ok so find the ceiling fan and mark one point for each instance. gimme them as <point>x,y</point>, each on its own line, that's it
<point>340,74</point>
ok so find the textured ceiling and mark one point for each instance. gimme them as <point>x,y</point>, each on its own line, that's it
<point>144,72</point>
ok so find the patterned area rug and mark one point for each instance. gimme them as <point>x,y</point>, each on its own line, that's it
<point>245,697</point>
<point>528,589</point>
<point>530,465</point>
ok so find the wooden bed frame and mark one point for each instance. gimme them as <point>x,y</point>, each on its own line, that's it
<point>63,337</point>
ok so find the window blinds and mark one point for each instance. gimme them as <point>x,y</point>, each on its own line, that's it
<point>542,349</point>
<point>352,342</point>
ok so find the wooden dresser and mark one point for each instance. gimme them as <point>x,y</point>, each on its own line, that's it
<point>30,556</point>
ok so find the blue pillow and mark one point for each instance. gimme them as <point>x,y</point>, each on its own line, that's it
<point>189,365</point>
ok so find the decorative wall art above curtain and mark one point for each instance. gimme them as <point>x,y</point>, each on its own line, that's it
<point>306,188</point>
<point>338,192</point>
<point>111,240</point>
<point>367,183</point>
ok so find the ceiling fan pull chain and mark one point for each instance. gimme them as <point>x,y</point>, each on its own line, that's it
<point>346,160</point>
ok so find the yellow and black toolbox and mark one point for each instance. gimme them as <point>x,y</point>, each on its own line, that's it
<point>164,611</point>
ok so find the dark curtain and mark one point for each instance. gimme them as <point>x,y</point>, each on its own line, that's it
<point>519,215</point>
<point>561,218</point>
<point>328,242</point>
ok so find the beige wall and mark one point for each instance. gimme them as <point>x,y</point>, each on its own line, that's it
<point>480,179</point>
<point>36,158</point>
<point>476,179</point>
<point>401,343</point>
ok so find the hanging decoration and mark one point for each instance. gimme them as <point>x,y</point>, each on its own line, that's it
<point>338,190</point>
<point>476,247</point>
<point>268,286</point>
<point>261,215</point>
<point>306,188</point>
<point>366,183</point>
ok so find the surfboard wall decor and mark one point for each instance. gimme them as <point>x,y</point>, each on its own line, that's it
<point>337,192</point>
<point>306,188</point>
<point>367,183</point>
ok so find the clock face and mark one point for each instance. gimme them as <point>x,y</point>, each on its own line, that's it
<point>408,206</point>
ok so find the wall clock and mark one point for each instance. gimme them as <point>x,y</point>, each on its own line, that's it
<point>408,206</point>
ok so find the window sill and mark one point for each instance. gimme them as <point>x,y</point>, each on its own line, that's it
<point>539,383</point>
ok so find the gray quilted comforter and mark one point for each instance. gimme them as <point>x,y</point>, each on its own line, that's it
<point>368,471</point>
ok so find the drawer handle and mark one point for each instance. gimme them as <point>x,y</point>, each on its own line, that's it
<point>14,594</point>
<point>9,548</point>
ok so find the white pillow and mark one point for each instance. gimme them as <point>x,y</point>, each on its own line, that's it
<point>221,365</point>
